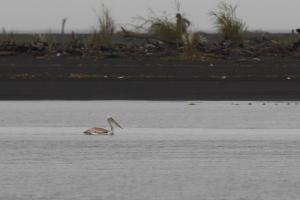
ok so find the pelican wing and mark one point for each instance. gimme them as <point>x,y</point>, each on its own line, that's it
<point>96,131</point>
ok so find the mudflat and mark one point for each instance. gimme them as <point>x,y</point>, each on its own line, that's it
<point>25,77</point>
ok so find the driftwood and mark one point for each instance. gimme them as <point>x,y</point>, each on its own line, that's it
<point>128,34</point>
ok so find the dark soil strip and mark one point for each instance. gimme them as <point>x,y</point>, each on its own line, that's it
<point>149,90</point>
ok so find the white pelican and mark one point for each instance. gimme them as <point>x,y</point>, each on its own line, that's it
<point>102,131</point>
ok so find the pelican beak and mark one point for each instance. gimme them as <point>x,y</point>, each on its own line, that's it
<point>117,124</point>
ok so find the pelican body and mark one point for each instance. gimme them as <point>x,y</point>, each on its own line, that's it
<point>102,131</point>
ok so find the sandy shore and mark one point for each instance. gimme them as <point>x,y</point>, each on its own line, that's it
<point>72,78</point>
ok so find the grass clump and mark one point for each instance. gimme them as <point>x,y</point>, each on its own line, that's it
<point>169,29</point>
<point>287,39</point>
<point>103,36</point>
<point>7,38</point>
<point>174,31</point>
<point>228,24</point>
<point>189,47</point>
<point>164,28</point>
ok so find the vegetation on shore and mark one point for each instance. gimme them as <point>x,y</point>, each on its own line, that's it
<point>165,36</point>
<point>228,24</point>
<point>103,36</point>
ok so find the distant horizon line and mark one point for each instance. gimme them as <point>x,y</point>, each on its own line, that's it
<point>89,31</point>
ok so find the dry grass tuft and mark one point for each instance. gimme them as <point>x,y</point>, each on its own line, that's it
<point>103,36</point>
<point>189,47</point>
<point>229,25</point>
<point>164,29</point>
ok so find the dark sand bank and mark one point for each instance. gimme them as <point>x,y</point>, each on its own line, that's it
<point>71,67</point>
<point>77,78</point>
<point>149,90</point>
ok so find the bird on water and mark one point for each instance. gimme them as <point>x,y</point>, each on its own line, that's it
<point>101,131</point>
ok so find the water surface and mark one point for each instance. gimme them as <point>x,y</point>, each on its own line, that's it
<point>167,151</point>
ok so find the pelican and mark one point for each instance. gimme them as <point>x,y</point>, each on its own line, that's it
<point>102,131</point>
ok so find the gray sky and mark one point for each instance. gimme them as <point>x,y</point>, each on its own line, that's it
<point>28,15</point>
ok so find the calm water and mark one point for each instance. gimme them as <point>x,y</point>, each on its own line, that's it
<point>167,151</point>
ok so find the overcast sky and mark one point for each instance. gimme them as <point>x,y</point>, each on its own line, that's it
<point>32,15</point>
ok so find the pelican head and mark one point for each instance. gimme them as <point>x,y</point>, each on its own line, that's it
<point>111,121</point>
